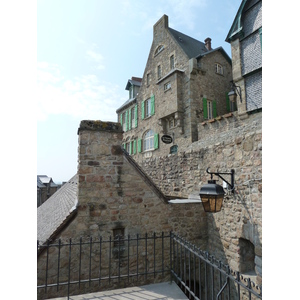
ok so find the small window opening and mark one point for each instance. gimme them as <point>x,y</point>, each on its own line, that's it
<point>247,256</point>
<point>118,234</point>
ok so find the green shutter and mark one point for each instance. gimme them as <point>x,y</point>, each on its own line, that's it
<point>134,147</point>
<point>204,108</point>
<point>156,139</point>
<point>121,121</point>
<point>227,103</point>
<point>136,116</point>
<point>152,105</point>
<point>139,145</point>
<point>143,110</point>
<point>214,108</point>
<point>129,120</point>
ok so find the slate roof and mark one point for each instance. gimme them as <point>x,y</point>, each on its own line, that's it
<point>220,49</point>
<point>59,208</point>
<point>40,183</point>
<point>189,45</point>
<point>44,179</point>
<point>136,81</point>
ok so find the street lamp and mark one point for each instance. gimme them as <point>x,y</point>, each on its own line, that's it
<point>235,89</point>
<point>212,194</point>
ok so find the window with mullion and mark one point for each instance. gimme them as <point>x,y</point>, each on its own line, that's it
<point>132,117</point>
<point>148,108</point>
<point>149,140</point>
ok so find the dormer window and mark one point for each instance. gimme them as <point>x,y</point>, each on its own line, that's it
<point>219,69</point>
<point>131,92</point>
<point>159,49</point>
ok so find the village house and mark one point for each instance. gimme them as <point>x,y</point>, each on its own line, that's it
<point>45,188</point>
<point>185,82</point>
<point>120,193</point>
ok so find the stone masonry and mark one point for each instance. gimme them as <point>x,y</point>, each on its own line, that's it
<point>178,90</point>
<point>112,194</point>
<point>229,142</point>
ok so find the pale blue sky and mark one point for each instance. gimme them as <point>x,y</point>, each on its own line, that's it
<point>86,52</point>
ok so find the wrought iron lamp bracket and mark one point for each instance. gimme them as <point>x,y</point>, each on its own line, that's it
<point>231,173</point>
<point>236,88</point>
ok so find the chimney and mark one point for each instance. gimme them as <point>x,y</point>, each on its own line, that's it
<point>208,43</point>
<point>100,159</point>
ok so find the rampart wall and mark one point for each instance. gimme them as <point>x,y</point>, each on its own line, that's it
<point>228,142</point>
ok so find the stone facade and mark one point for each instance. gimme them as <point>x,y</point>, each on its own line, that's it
<point>231,142</point>
<point>181,86</point>
<point>113,194</point>
<point>245,37</point>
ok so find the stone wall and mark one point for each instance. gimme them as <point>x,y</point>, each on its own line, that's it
<point>114,194</point>
<point>230,142</point>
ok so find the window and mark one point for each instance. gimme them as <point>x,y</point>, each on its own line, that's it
<point>159,49</point>
<point>118,242</point>
<point>128,147</point>
<point>209,109</point>
<point>132,117</point>
<point>148,108</point>
<point>167,86</point>
<point>247,256</point>
<point>148,79</point>
<point>123,118</point>
<point>172,62</point>
<point>148,140</point>
<point>159,72</point>
<point>172,122</point>
<point>219,69</point>
<point>131,92</point>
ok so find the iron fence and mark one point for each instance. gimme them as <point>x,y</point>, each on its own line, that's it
<point>88,265</point>
<point>201,276</point>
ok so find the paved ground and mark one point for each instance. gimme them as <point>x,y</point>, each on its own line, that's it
<point>163,291</point>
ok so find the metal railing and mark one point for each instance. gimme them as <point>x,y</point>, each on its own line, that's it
<point>88,265</point>
<point>94,264</point>
<point>201,276</point>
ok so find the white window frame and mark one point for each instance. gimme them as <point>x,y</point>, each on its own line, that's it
<point>132,117</point>
<point>209,109</point>
<point>219,69</point>
<point>131,92</point>
<point>123,120</point>
<point>167,86</point>
<point>148,141</point>
<point>147,108</point>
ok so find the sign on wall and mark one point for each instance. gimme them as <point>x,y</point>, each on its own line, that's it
<point>167,139</point>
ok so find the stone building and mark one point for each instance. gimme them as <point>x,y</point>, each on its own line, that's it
<point>229,141</point>
<point>185,82</point>
<point>245,37</point>
<point>45,188</point>
<point>110,195</point>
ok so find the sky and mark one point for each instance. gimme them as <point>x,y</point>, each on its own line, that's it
<point>87,51</point>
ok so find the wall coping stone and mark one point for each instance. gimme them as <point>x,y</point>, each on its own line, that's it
<point>99,126</point>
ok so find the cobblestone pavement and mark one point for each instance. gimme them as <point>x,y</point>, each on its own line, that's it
<point>162,291</point>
